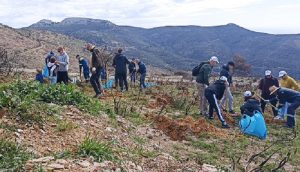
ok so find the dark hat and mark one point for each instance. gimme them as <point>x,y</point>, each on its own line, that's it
<point>231,63</point>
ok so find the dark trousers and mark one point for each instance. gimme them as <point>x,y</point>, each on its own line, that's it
<point>213,105</point>
<point>133,77</point>
<point>142,81</point>
<point>95,81</point>
<point>273,102</point>
<point>122,79</point>
<point>62,76</point>
<point>291,113</point>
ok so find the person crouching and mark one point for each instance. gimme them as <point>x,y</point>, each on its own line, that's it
<point>213,93</point>
<point>251,105</point>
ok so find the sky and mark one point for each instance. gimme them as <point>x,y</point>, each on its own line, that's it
<point>270,16</point>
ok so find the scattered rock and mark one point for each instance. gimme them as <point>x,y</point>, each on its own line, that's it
<point>209,168</point>
<point>55,166</point>
<point>84,164</point>
<point>43,159</point>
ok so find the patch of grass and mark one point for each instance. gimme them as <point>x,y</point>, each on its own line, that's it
<point>63,155</point>
<point>63,126</point>
<point>140,152</point>
<point>210,147</point>
<point>11,128</point>
<point>12,156</point>
<point>100,151</point>
<point>139,140</point>
<point>136,118</point>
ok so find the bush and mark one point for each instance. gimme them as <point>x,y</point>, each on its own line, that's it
<point>100,151</point>
<point>30,100</point>
<point>12,157</point>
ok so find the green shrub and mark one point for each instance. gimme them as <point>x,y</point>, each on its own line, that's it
<point>100,151</point>
<point>63,126</point>
<point>12,157</point>
<point>30,100</point>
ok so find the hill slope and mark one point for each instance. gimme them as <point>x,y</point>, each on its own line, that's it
<point>32,46</point>
<point>181,47</point>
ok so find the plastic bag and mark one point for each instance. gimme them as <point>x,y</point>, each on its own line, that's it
<point>254,126</point>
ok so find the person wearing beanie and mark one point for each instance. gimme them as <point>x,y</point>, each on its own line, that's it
<point>287,81</point>
<point>213,94</point>
<point>285,95</point>
<point>250,104</point>
<point>264,85</point>
<point>227,71</point>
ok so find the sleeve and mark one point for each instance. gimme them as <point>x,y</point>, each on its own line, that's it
<point>243,109</point>
<point>260,85</point>
<point>206,74</point>
<point>276,82</point>
<point>126,60</point>
<point>294,85</point>
<point>114,61</point>
<point>67,61</point>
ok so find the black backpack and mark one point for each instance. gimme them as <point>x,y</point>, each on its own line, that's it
<point>196,70</point>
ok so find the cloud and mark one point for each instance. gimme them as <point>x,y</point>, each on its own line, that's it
<point>257,14</point>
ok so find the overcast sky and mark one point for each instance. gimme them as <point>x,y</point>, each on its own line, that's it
<point>272,16</point>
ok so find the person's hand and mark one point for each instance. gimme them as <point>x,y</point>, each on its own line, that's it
<point>93,70</point>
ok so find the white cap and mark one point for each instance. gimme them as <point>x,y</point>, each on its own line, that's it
<point>268,72</point>
<point>223,78</point>
<point>247,94</point>
<point>214,58</point>
<point>282,73</point>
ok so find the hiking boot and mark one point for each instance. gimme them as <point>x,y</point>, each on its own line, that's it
<point>211,118</point>
<point>278,117</point>
<point>224,109</point>
<point>97,96</point>
<point>232,112</point>
<point>225,125</point>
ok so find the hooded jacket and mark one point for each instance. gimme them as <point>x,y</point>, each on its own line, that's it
<point>131,67</point>
<point>97,60</point>
<point>225,72</point>
<point>250,106</point>
<point>204,74</point>
<point>289,82</point>
<point>64,62</point>
<point>217,88</point>
<point>264,86</point>
<point>142,68</point>
<point>120,63</point>
<point>287,95</point>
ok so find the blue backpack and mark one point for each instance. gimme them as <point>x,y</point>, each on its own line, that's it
<point>254,125</point>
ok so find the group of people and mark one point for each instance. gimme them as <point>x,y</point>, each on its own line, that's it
<point>93,70</point>
<point>282,95</point>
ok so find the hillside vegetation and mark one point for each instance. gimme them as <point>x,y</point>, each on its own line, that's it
<point>61,128</point>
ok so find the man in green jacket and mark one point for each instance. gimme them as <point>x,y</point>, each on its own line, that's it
<point>203,82</point>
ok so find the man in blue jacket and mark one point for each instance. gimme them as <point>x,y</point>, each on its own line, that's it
<point>227,71</point>
<point>287,95</point>
<point>120,64</point>
<point>143,71</point>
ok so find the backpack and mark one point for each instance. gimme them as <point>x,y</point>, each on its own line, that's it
<point>196,70</point>
<point>254,125</point>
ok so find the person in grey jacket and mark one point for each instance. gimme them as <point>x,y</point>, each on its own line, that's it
<point>63,61</point>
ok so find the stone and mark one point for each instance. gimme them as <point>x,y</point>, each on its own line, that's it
<point>209,168</point>
<point>56,166</point>
<point>43,159</point>
<point>84,164</point>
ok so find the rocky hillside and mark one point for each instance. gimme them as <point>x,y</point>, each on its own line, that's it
<point>183,47</point>
<point>32,46</point>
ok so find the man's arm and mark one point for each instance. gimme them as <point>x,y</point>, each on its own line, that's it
<point>295,85</point>
<point>276,83</point>
<point>206,73</point>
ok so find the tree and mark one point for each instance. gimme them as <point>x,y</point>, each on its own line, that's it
<point>241,66</point>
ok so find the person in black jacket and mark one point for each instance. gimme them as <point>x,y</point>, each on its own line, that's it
<point>250,105</point>
<point>97,65</point>
<point>290,96</point>
<point>227,71</point>
<point>143,71</point>
<point>213,93</point>
<point>120,64</point>
<point>264,86</point>
<point>132,71</point>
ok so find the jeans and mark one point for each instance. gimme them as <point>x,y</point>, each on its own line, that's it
<point>227,95</point>
<point>273,102</point>
<point>133,77</point>
<point>122,79</point>
<point>86,75</point>
<point>53,79</point>
<point>201,95</point>
<point>62,76</point>
<point>95,81</point>
<point>291,120</point>
<point>142,81</point>
<point>213,105</point>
